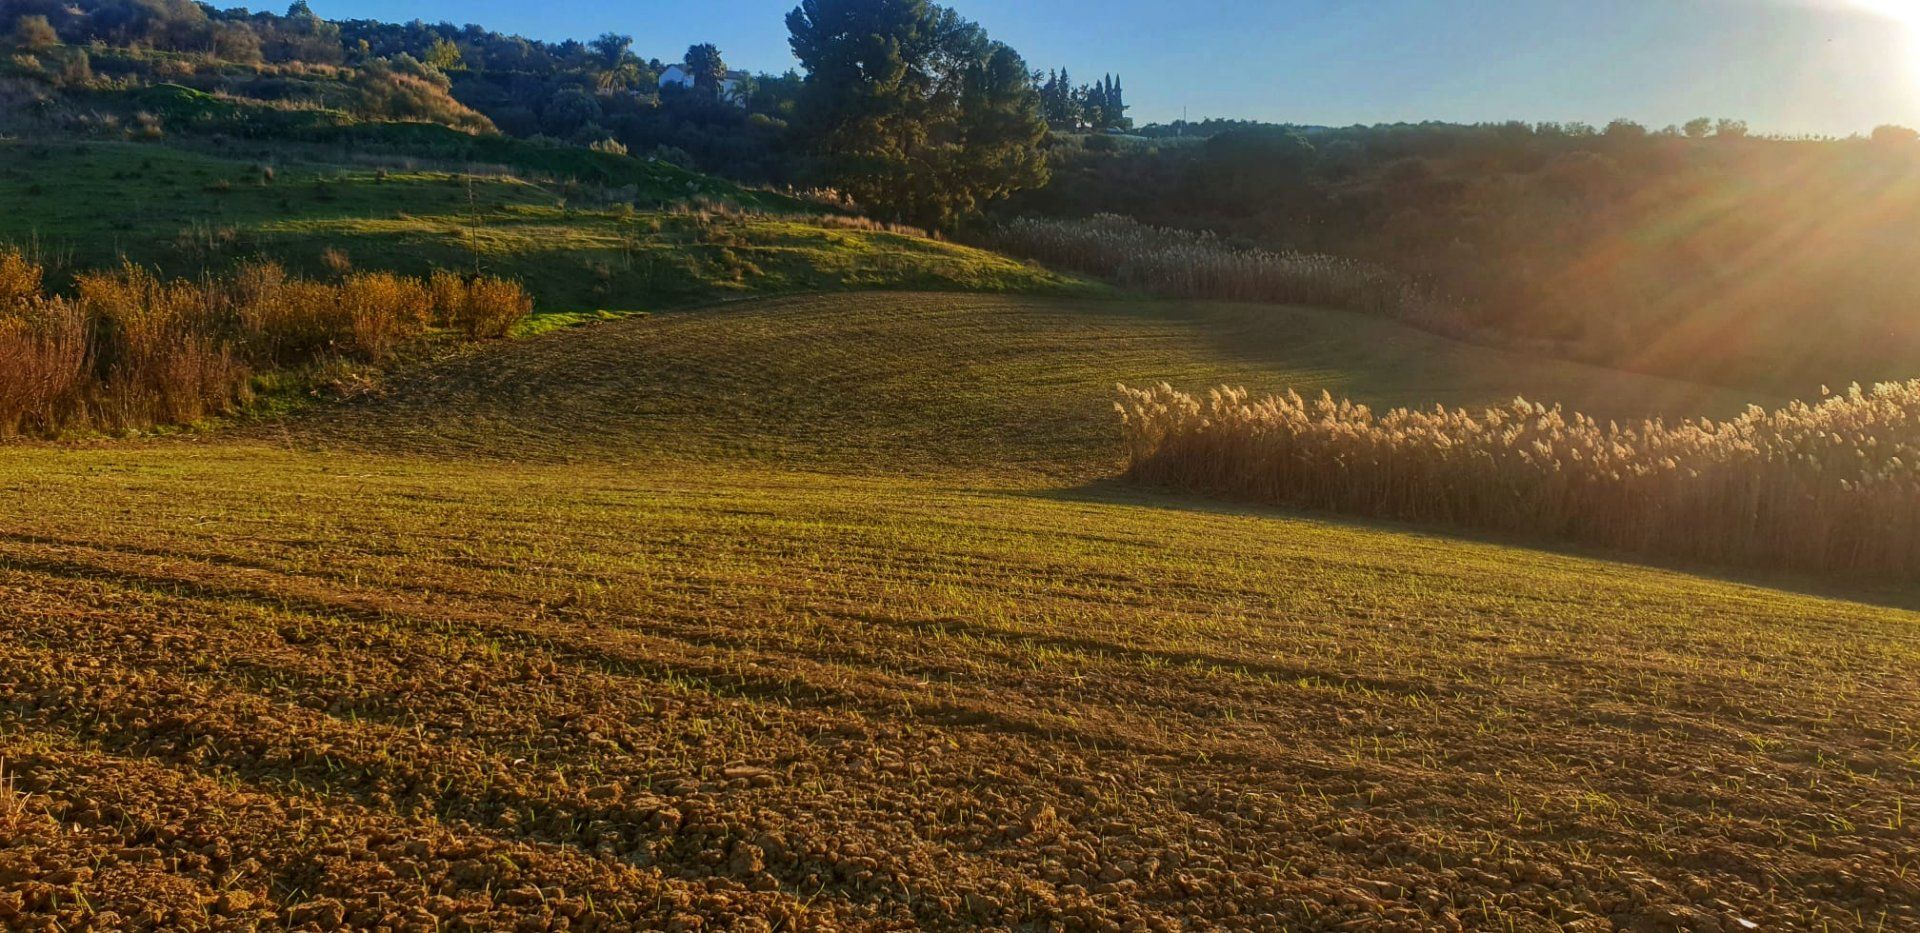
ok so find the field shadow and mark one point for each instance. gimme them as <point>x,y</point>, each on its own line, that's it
<point>1120,492</point>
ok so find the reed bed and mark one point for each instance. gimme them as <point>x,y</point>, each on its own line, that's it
<point>1830,487</point>
<point>131,350</point>
<point>1187,264</point>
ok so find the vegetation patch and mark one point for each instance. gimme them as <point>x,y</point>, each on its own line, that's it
<point>575,246</point>
<point>1823,488</point>
<point>131,350</point>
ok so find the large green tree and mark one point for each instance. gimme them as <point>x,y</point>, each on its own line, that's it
<point>913,110</point>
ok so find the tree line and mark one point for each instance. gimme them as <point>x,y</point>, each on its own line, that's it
<point>904,105</point>
<point>1101,105</point>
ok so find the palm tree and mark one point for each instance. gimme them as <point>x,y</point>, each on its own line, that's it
<point>709,70</point>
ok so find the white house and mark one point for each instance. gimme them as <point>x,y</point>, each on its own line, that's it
<point>677,75</point>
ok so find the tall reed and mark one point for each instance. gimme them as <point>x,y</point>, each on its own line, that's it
<point>1184,264</point>
<point>1829,487</point>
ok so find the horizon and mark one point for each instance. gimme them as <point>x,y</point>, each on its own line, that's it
<point>1788,67</point>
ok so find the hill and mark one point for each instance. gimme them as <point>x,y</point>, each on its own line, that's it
<point>725,650</point>
<point>583,230</point>
<point>917,382</point>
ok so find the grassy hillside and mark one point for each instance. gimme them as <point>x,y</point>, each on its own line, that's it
<point>579,245</point>
<point>805,615</point>
<point>985,383</point>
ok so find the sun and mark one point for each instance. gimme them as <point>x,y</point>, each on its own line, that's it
<point>1904,13</point>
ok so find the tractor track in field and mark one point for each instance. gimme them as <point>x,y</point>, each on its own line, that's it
<point>602,632</point>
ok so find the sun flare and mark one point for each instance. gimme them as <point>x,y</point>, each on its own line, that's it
<point>1906,15</point>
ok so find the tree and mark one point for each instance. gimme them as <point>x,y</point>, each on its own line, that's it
<point>1730,129</point>
<point>444,56</point>
<point>709,70</point>
<point>915,111</point>
<point>1892,135</point>
<point>34,33</point>
<point>1699,128</point>
<point>1626,130</point>
<point>1094,105</point>
<point>612,48</point>
<point>236,42</point>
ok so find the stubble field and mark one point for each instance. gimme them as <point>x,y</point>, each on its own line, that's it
<point>818,613</point>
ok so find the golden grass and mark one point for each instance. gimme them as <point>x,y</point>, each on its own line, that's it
<point>133,350</point>
<point>1831,487</point>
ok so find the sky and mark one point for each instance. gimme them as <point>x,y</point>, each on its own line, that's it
<point>1822,67</point>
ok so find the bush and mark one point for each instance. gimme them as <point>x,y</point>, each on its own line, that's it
<point>133,350</point>
<point>156,349</point>
<point>1831,487</point>
<point>43,357</point>
<point>481,307</point>
<point>384,311</point>
<point>35,33</point>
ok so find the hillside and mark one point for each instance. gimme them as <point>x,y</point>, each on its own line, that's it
<point>584,231</point>
<point>804,613</point>
<point>919,382</point>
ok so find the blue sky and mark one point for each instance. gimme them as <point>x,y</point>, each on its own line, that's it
<point>1790,66</point>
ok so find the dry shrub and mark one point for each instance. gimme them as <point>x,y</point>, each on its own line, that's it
<point>336,261</point>
<point>20,279</point>
<point>134,350</point>
<point>43,360</point>
<point>384,311</point>
<point>1183,264</point>
<point>482,307</point>
<point>280,321</point>
<point>1831,487</point>
<point>157,350</point>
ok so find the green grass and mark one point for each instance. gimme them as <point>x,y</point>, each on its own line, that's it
<point>818,611</point>
<point>188,211</point>
<point>984,383</point>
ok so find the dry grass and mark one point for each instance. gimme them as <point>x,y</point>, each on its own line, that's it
<point>43,357</point>
<point>155,350</point>
<point>1184,264</point>
<point>133,350</point>
<point>1831,487</point>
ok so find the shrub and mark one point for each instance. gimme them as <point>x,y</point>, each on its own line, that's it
<point>35,33</point>
<point>157,353</point>
<point>134,350</point>
<point>279,321</point>
<point>20,279</point>
<point>481,307</point>
<point>43,357</point>
<point>1831,487</point>
<point>336,261</point>
<point>384,311</point>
